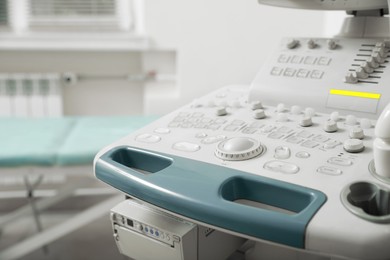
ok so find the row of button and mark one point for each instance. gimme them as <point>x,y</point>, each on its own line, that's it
<point>307,60</point>
<point>299,73</point>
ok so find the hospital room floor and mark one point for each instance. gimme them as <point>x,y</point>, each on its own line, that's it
<point>93,241</point>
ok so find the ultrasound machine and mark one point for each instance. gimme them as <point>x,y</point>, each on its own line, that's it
<point>296,166</point>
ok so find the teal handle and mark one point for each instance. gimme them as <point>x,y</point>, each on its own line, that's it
<point>209,193</point>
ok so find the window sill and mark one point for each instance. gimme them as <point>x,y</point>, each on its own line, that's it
<point>74,42</point>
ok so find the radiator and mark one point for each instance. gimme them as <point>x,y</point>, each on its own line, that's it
<point>31,95</point>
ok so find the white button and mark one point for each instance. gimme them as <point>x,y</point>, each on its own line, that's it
<point>296,59</point>
<point>302,155</point>
<point>296,110</point>
<point>162,130</point>
<point>186,147</point>
<point>365,123</point>
<point>148,138</point>
<point>320,138</point>
<point>309,144</point>
<point>310,112</point>
<point>330,126</point>
<point>256,105</point>
<point>283,58</point>
<point>282,152</point>
<point>259,114</point>
<point>282,117</point>
<point>303,73</point>
<point>309,60</point>
<point>231,128</point>
<point>201,135</point>
<point>306,121</point>
<point>280,107</point>
<point>329,170</point>
<point>267,129</point>
<point>340,161</point>
<point>276,71</point>
<point>331,144</point>
<point>282,167</point>
<point>249,130</point>
<point>316,74</point>
<point>356,133</point>
<point>335,116</point>
<point>275,135</point>
<point>353,145</point>
<point>220,111</point>
<point>323,61</point>
<point>284,129</point>
<point>237,122</point>
<point>304,134</point>
<point>350,120</point>
<point>289,72</point>
<point>213,139</point>
<point>294,139</point>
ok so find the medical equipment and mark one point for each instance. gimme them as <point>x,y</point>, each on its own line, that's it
<point>288,163</point>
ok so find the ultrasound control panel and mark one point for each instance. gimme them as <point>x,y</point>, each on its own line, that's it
<point>289,159</point>
<point>347,75</point>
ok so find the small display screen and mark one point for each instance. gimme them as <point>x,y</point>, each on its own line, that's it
<point>130,222</point>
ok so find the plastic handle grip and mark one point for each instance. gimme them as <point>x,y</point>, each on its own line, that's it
<point>209,193</point>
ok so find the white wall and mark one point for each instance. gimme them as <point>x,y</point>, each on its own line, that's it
<point>218,42</point>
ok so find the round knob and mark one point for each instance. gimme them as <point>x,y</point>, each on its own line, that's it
<point>311,44</point>
<point>380,45</point>
<point>305,121</point>
<point>353,145</point>
<point>259,114</point>
<point>366,67</point>
<point>296,110</point>
<point>280,108</point>
<point>238,149</point>
<point>351,77</point>
<point>335,116</point>
<point>356,133</point>
<point>372,63</point>
<point>256,105</point>
<point>292,44</point>
<point>220,111</point>
<point>350,120</point>
<point>331,44</point>
<point>330,126</point>
<point>365,123</point>
<point>361,73</point>
<point>310,112</point>
<point>282,117</point>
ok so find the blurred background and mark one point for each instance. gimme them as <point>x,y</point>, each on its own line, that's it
<point>77,75</point>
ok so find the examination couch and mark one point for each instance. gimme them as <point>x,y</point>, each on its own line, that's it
<point>48,160</point>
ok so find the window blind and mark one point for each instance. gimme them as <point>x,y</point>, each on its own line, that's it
<point>3,12</point>
<point>76,14</point>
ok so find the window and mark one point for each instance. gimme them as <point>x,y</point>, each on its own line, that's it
<point>3,13</point>
<point>67,15</point>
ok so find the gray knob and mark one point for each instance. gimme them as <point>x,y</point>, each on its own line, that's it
<point>311,44</point>
<point>378,58</point>
<point>330,126</point>
<point>356,133</point>
<point>372,63</point>
<point>361,73</point>
<point>256,105</point>
<point>258,114</point>
<point>366,67</point>
<point>332,44</point>
<point>306,121</point>
<point>353,145</point>
<point>292,44</point>
<point>220,111</point>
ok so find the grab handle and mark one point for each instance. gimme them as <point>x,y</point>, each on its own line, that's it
<point>238,201</point>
